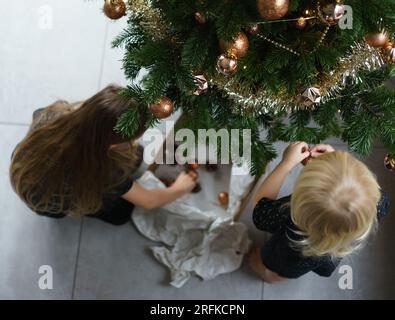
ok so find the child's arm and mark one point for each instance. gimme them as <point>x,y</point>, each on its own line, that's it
<point>156,198</point>
<point>293,155</point>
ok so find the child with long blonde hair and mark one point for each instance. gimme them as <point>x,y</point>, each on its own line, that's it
<point>336,204</point>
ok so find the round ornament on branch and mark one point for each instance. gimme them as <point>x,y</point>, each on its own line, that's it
<point>114,9</point>
<point>237,47</point>
<point>200,18</point>
<point>201,84</point>
<point>272,9</point>
<point>378,39</point>
<point>163,108</point>
<point>389,163</point>
<point>226,65</point>
<point>330,11</point>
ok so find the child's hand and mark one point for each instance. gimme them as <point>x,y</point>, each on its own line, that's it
<point>184,183</point>
<point>320,149</point>
<point>295,154</point>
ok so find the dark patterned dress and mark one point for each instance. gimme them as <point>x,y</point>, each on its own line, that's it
<point>279,254</point>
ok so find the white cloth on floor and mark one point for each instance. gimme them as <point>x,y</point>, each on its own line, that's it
<point>206,243</point>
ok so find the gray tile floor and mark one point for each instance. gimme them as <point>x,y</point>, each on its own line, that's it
<point>71,60</point>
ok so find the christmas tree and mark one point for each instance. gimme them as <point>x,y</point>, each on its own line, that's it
<point>303,70</point>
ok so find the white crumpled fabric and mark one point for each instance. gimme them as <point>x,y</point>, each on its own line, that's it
<point>205,242</point>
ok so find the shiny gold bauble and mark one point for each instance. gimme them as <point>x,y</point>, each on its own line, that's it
<point>114,9</point>
<point>389,163</point>
<point>272,9</point>
<point>223,198</point>
<point>237,47</point>
<point>200,17</point>
<point>163,108</point>
<point>377,40</point>
<point>330,11</point>
<point>226,65</point>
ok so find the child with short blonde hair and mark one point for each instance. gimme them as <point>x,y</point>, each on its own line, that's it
<point>335,206</point>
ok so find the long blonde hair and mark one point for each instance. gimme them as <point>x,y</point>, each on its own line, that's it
<point>334,205</point>
<point>67,165</point>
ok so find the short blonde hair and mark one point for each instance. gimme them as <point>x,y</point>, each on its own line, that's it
<point>334,205</point>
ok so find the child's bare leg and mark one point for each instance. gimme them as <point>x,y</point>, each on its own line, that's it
<point>260,269</point>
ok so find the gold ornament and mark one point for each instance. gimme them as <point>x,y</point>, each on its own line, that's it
<point>330,11</point>
<point>390,55</point>
<point>238,47</point>
<point>389,162</point>
<point>253,29</point>
<point>272,9</point>
<point>310,97</point>
<point>301,23</point>
<point>200,17</point>
<point>193,174</point>
<point>226,65</point>
<point>193,166</point>
<point>223,198</point>
<point>114,9</point>
<point>163,108</point>
<point>377,40</point>
<point>201,85</point>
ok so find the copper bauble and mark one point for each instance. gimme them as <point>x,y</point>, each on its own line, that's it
<point>237,47</point>
<point>272,9</point>
<point>330,11</point>
<point>163,108</point>
<point>114,9</point>
<point>226,65</point>
<point>193,166</point>
<point>200,17</point>
<point>193,174</point>
<point>167,182</point>
<point>197,189</point>
<point>223,198</point>
<point>389,162</point>
<point>377,40</point>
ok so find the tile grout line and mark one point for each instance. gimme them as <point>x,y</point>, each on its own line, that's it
<point>77,259</point>
<point>4,123</point>
<point>103,56</point>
